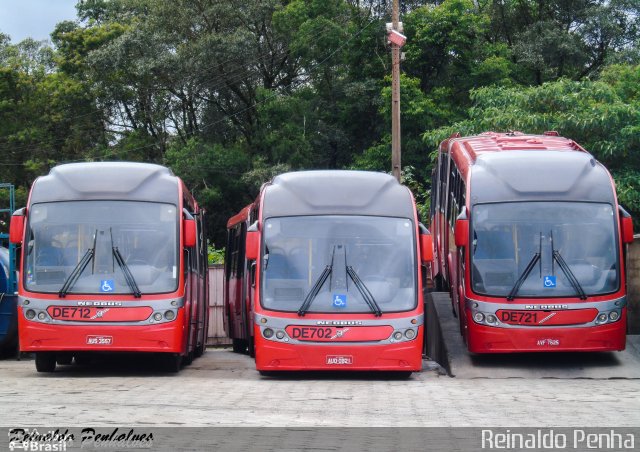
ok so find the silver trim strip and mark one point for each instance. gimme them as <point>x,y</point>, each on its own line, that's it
<point>491,308</point>
<point>156,305</point>
<point>280,323</point>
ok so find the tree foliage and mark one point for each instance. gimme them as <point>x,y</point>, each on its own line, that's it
<point>230,93</point>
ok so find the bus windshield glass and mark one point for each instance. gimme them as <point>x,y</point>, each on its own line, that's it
<point>60,234</point>
<point>377,251</point>
<point>507,238</point>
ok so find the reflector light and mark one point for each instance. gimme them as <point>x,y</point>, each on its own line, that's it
<point>30,314</point>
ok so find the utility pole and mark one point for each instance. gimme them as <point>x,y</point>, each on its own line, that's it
<point>395,93</point>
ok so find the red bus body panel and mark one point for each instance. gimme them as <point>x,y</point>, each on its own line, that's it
<point>564,330</point>
<point>127,327</point>
<point>360,349</point>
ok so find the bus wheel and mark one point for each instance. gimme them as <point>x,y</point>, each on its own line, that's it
<point>172,362</point>
<point>439,284</point>
<point>45,361</point>
<point>239,346</point>
<point>189,358</point>
<point>267,373</point>
<point>403,374</point>
<point>251,349</point>
<point>64,359</point>
<point>200,349</point>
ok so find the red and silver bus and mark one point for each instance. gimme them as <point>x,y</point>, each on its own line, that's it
<point>530,241</point>
<point>323,272</point>
<point>113,259</point>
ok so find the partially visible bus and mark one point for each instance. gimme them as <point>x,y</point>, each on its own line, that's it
<point>8,279</point>
<point>530,241</point>
<point>323,272</point>
<point>113,259</point>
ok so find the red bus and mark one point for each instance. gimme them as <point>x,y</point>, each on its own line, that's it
<point>113,259</point>
<point>530,241</point>
<point>323,272</point>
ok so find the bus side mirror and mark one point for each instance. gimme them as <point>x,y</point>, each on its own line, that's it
<point>462,232</point>
<point>252,242</point>
<point>426,245</point>
<point>626,225</point>
<point>16,226</point>
<point>189,232</point>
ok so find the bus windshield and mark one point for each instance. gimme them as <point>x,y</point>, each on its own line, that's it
<point>544,249</point>
<point>60,234</point>
<point>378,252</point>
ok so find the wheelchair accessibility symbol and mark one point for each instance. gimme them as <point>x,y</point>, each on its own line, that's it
<point>550,282</point>
<point>339,301</point>
<point>106,285</point>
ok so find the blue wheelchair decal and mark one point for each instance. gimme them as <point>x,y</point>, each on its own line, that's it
<point>550,282</point>
<point>339,301</point>
<point>107,285</point>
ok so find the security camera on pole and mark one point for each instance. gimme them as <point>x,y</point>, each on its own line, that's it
<point>397,40</point>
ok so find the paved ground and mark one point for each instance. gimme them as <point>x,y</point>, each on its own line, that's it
<point>223,389</point>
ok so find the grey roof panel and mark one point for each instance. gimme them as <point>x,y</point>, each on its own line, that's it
<point>336,192</point>
<point>107,181</point>
<point>539,176</point>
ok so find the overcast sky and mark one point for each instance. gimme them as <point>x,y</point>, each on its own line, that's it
<point>22,19</point>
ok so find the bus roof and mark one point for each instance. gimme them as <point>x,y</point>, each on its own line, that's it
<point>107,181</point>
<point>337,192</point>
<point>518,167</point>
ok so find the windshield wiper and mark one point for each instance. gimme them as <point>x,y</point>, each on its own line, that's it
<point>78,269</point>
<point>569,274</point>
<point>523,276</point>
<point>127,273</point>
<point>313,293</point>
<point>364,291</point>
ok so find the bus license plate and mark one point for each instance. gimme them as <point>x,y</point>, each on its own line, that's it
<point>99,340</point>
<point>340,360</point>
<point>521,317</point>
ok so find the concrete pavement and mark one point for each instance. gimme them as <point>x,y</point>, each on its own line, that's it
<point>223,389</point>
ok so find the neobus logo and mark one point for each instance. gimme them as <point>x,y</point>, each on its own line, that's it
<point>338,322</point>
<point>546,306</point>
<point>99,303</point>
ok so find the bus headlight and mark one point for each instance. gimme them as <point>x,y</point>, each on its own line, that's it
<point>602,318</point>
<point>268,333</point>
<point>614,315</point>
<point>478,317</point>
<point>280,334</point>
<point>30,314</point>
<point>42,316</point>
<point>397,336</point>
<point>491,319</point>
<point>157,316</point>
<point>169,315</point>
<point>410,334</point>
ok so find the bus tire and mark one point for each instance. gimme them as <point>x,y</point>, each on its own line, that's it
<point>45,361</point>
<point>172,362</point>
<point>251,348</point>
<point>200,349</point>
<point>188,359</point>
<point>267,373</point>
<point>64,359</point>
<point>239,346</point>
